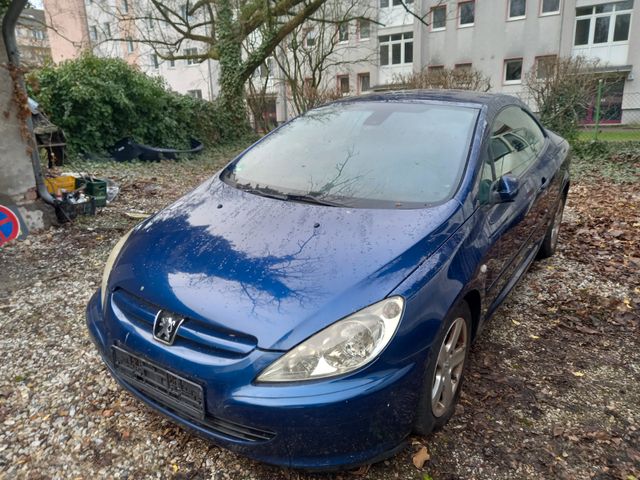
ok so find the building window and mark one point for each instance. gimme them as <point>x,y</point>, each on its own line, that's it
<point>191,52</point>
<point>549,7</point>
<point>600,24</point>
<point>130,46</point>
<point>364,82</point>
<point>435,68</point>
<point>39,34</point>
<point>265,70</point>
<point>396,49</point>
<point>364,29</point>
<point>154,60</point>
<point>125,6</point>
<point>343,84</point>
<point>513,71</point>
<point>310,38</point>
<point>545,66</point>
<point>343,32</point>
<point>184,13</point>
<point>463,67</point>
<point>517,9</point>
<point>107,29</point>
<point>466,14</point>
<point>195,93</point>
<point>395,3</point>
<point>172,63</point>
<point>439,18</point>
<point>93,33</point>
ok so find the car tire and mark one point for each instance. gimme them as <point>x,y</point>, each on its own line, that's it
<point>444,372</point>
<point>550,242</point>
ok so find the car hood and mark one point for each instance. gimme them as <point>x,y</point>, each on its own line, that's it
<point>276,270</point>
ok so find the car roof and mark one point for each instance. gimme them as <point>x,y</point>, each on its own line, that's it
<point>491,100</point>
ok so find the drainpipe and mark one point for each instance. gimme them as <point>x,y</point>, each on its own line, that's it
<point>9,34</point>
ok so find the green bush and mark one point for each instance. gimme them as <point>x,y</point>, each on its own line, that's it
<point>98,101</point>
<point>590,148</point>
<point>615,161</point>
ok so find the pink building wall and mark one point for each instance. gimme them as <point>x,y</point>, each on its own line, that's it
<point>68,30</point>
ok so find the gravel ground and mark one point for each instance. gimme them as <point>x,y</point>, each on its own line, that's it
<point>553,389</point>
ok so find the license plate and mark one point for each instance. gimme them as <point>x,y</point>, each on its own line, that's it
<point>170,390</point>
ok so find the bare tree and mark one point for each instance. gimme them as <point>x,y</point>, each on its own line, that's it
<point>197,30</point>
<point>562,89</point>
<point>316,50</point>
<point>261,97</point>
<point>447,78</point>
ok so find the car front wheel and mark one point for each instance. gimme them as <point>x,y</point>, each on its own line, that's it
<point>444,373</point>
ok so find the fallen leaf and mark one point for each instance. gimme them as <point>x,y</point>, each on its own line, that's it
<point>361,471</point>
<point>535,337</point>
<point>420,457</point>
<point>557,430</point>
<point>136,215</point>
<point>578,374</point>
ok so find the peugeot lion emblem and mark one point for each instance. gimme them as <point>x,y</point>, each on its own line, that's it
<point>166,326</point>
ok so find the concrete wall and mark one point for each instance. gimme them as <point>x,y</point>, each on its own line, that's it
<point>17,181</point>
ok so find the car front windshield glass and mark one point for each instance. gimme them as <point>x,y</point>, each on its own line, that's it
<point>362,154</point>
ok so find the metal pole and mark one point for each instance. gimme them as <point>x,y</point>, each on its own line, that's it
<point>598,100</point>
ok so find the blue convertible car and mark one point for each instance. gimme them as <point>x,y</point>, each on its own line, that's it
<point>313,303</point>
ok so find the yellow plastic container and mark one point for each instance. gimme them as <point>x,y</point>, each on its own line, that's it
<point>64,182</point>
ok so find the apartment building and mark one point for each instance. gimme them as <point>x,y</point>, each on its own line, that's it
<point>32,38</point>
<point>503,39</point>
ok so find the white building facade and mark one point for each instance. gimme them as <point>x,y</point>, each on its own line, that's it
<point>503,39</point>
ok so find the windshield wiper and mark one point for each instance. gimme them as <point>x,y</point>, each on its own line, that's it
<point>294,197</point>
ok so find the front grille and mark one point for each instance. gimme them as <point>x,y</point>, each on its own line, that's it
<point>179,395</point>
<point>196,334</point>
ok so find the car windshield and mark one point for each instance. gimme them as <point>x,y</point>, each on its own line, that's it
<point>362,154</point>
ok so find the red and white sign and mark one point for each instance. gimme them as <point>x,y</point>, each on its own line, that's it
<point>9,225</point>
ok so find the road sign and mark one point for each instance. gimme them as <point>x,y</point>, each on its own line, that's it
<point>9,225</point>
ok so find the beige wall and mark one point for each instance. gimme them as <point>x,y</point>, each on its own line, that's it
<point>68,32</point>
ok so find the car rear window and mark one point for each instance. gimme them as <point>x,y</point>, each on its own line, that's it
<point>363,154</point>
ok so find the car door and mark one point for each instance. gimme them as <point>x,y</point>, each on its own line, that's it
<point>544,174</point>
<point>514,148</point>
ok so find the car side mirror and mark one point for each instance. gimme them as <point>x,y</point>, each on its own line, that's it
<point>505,189</point>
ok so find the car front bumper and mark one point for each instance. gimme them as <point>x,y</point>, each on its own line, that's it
<point>324,425</point>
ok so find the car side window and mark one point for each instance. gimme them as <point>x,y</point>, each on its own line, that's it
<point>486,181</point>
<point>516,141</point>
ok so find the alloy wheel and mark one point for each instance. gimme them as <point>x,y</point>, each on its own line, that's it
<point>450,363</point>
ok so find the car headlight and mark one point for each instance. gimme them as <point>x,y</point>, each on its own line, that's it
<point>340,348</point>
<point>107,268</point>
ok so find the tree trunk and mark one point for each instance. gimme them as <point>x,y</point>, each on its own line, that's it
<point>233,109</point>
